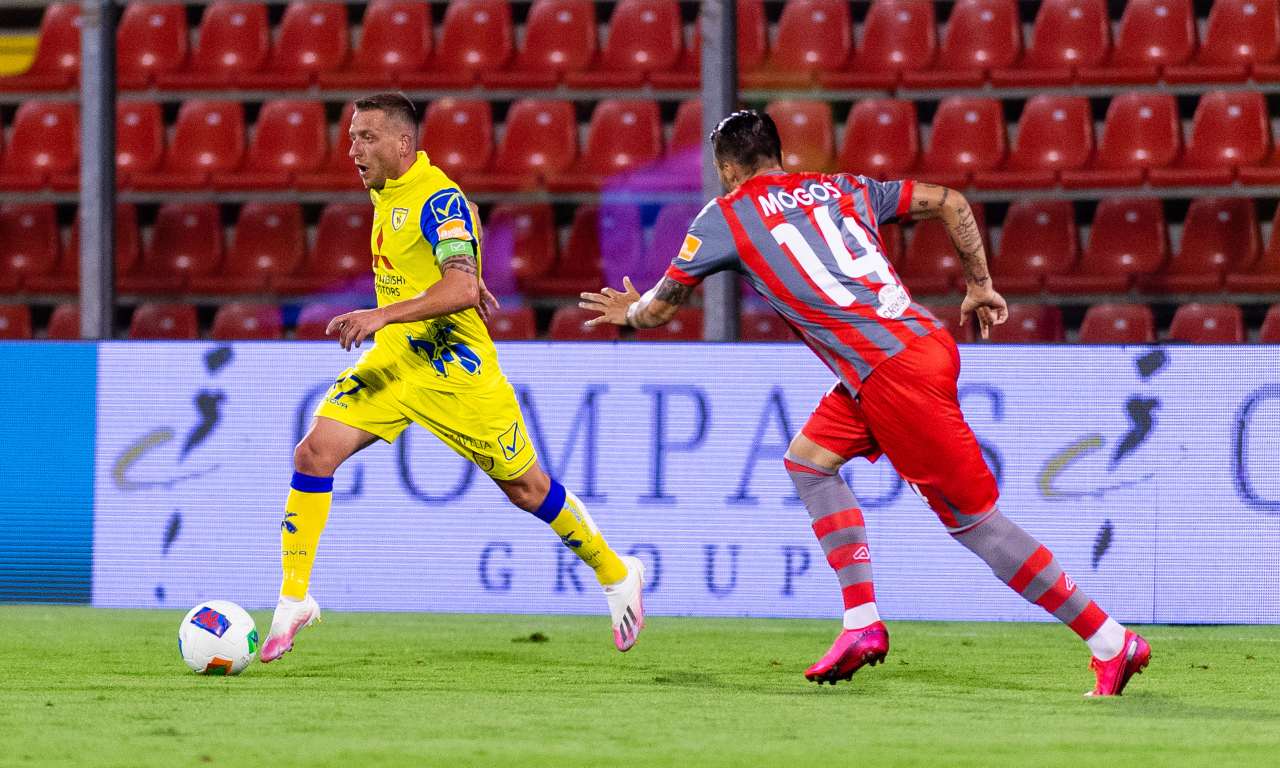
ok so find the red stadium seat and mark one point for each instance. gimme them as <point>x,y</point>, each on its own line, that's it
<point>541,139</point>
<point>29,243</point>
<point>1029,324</point>
<point>164,321</point>
<point>1270,331</point>
<point>1068,35</point>
<point>981,35</point>
<point>931,265</point>
<point>559,38</point>
<point>881,139</point>
<point>66,277</point>
<point>763,325</point>
<point>208,138</point>
<point>968,137</point>
<point>807,133</point>
<point>139,139</point>
<point>312,39</point>
<point>623,136</point>
<point>64,323</point>
<point>567,325</point>
<point>476,38</point>
<point>57,60</point>
<point>685,326</point>
<point>1219,234</point>
<point>1118,324</point>
<point>1055,134</point>
<point>269,243</point>
<point>898,36</point>
<point>314,319</point>
<point>1230,130</point>
<point>1153,34</point>
<point>395,39</point>
<point>337,171</point>
<point>1039,238</point>
<point>1208,324</point>
<point>45,143</point>
<point>686,131</point>
<point>513,324</point>
<point>15,321</point>
<point>519,246</point>
<point>1240,35</point>
<point>1128,240</point>
<point>151,40</point>
<point>234,40</point>
<point>645,36</point>
<point>949,313</point>
<point>1141,132</point>
<point>814,37</point>
<point>291,137</point>
<point>458,136</point>
<point>597,230</point>
<point>341,259</point>
<point>186,242</point>
<point>1263,275</point>
<point>753,48</point>
<point>247,322</point>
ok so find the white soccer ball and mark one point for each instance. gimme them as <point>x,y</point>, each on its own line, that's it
<point>218,637</point>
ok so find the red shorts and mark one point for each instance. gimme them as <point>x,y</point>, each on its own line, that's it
<point>909,410</point>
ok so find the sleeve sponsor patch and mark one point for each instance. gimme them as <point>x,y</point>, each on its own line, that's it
<point>690,247</point>
<point>453,230</point>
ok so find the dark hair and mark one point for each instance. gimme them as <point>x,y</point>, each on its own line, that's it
<point>396,105</point>
<point>747,137</point>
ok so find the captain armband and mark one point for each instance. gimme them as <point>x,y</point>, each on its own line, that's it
<point>448,249</point>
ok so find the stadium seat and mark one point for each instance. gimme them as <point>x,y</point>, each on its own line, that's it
<point>513,324</point>
<point>881,139</point>
<point>1141,131</point>
<point>753,48</point>
<point>1263,275</point>
<point>45,142</point>
<point>1128,239</point>
<point>291,137</point>
<point>763,325</point>
<point>1219,234</point>
<point>645,36</point>
<point>66,277</point>
<point>948,312</point>
<point>247,322</point>
<point>1208,324</point>
<point>476,38</point>
<point>931,265</point>
<point>1153,34</point>
<point>669,231</point>
<point>1230,129</point>
<point>29,243</point>
<point>1029,324</point>
<point>1055,134</point>
<point>541,139</point>
<point>1240,35</point>
<point>56,64</point>
<point>807,132</point>
<point>208,138</point>
<point>623,136</point>
<point>458,136</point>
<point>269,242</point>
<point>312,39</point>
<point>686,130</point>
<point>164,321</point>
<point>1039,238</point>
<point>313,319</point>
<point>1068,35</point>
<point>897,36</point>
<point>685,326</point>
<point>337,171</point>
<point>151,40</point>
<point>814,37</point>
<point>968,137</point>
<point>567,325</point>
<point>15,322</point>
<point>559,38</point>
<point>234,40</point>
<point>519,245</point>
<point>64,323</point>
<point>395,38</point>
<point>139,139</point>
<point>1270,331</point>
<point>1118,324</point>
<point>186,242</point>
<point>341,258</point>
<point>981,35</point>
<point>612,229</point>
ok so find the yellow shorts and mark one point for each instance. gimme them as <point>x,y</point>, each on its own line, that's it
<point>484,426</point>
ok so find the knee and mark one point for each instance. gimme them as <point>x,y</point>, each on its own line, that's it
<point>807,453</point>
<point>528,493</point>
<point>310,458</point>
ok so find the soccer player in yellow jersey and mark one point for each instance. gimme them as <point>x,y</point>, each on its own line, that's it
<point>432,363</point>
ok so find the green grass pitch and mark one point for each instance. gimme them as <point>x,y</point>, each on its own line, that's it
<point>92,687</point>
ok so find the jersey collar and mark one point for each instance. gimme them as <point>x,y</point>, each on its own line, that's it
<point>410,177</point>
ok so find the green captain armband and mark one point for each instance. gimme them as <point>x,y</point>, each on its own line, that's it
<point>447,249</point>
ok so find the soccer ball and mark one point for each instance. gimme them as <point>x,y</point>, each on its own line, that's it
<point>217,637</point>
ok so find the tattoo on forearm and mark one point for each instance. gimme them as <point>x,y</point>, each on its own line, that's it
<point>967,239</point>
<point>461,263</point>
<point>672,292</point>
<point>667,291</point>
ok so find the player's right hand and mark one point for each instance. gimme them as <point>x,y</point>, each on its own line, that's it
<point>986,305</point>
<point>611,303</point>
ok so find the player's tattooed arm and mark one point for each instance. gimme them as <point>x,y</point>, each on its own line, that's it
<point>656,307</point>
<point>931,201</point>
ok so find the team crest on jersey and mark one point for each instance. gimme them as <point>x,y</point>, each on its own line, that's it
<point>482,461</point>
<point>690,247</point>
<point>398,217</point>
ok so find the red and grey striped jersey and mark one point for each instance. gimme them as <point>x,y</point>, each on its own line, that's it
<point>810,244</point>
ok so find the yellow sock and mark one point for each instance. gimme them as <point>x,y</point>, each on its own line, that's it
<point>306,511</point>
<point>569,518</point>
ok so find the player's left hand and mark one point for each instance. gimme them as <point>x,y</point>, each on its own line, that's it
<point>987,306</point>
<point>612,304</point>
<point>354,327</point>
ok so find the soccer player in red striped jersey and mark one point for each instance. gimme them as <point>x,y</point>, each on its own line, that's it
<point>810,244</point>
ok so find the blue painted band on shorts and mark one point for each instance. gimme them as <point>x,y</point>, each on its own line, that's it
<point>311,483</point>
<point>551,505</point>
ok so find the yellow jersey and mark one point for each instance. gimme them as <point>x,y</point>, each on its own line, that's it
<point>412,214</point>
